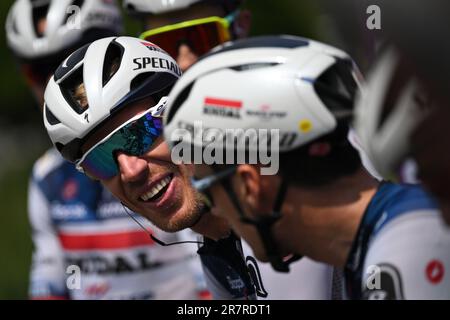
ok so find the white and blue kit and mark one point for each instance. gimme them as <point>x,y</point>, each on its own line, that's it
<point>401,248</point>
<point>75,221</point>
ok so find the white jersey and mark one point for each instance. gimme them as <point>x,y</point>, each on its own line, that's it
<point>80,229</point>
<point>306,280</point>
<point>401,250</point>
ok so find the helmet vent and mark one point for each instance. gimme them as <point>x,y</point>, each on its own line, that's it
<point>59,146</point>
<point>396,87</point>
<point>74,91</point>
<point>336,87</point>
<point>14,26</point>
<point>51,117</point>
<point>252,66</point>
<point>111,64</point>
<point>130,7</point>
<point>39,13</point>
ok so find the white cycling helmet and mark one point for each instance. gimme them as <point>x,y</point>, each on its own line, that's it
<point>304,89</point>
<point>68,25</point>
<point>143,70</point>
<point>301,87</point>
<point>163,6</point>
<point>387,111</point>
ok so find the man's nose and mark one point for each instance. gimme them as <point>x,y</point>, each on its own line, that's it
<point>132,168</point>
<point>186,57</point>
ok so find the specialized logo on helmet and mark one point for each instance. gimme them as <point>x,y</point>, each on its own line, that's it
<point>156,63</point>
<point>222,107</point>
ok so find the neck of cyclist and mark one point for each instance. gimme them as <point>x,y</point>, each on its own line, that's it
<point>212,227</point>
<point>321,223</point>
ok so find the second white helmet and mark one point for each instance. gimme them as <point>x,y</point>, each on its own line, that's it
<point>300,87</point>
<point>163,6</point>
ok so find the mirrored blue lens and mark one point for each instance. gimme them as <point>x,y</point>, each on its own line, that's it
<point>135,138</point>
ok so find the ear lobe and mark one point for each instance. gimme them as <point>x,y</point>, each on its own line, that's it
<point>242,24</point>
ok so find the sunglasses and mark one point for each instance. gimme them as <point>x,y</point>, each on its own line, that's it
<point>135,137</point>
<point>204,184</point>
<point>201,35</point>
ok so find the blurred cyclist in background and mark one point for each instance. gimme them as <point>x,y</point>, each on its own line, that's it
<point>321,202</point>
<point>75,221</point>
<point>188,29</point>
<point>404,113</point>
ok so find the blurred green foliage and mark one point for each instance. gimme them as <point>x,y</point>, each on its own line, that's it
<point>15,96</point>
<point>15,244</point>
<point>296,17</point>
<point>17,111</point>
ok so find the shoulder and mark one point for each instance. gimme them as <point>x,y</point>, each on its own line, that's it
<point>394,200</point>
<point>46,164</point>
<point>408,257</point>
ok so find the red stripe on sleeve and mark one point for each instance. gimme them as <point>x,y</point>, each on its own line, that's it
<point>105,241</point>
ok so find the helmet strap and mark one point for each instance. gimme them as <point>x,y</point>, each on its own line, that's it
<point>263,225</point>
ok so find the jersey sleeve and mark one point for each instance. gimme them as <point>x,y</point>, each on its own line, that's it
<point>226,273</point>
<point>47,276</point>
<point>409,259</point>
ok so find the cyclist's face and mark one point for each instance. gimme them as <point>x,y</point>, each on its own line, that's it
<point>175,206</point>
<point>186,54</point>
<point>224,208</point>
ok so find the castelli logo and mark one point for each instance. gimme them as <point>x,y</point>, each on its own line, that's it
<point>70,190</point>
<point>435,271</point>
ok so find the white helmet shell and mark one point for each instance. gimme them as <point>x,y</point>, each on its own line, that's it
<point>261,83</point>
<point>386,114</point>
<point>157,6</point>
<point>163,6</point>
<point>67,23</point>
<point>144,70</point>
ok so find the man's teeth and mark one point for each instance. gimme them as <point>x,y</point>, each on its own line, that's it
<point>164,182</point>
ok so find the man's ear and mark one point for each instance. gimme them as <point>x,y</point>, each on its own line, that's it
<point>242,24</point>
<point>248,185</point>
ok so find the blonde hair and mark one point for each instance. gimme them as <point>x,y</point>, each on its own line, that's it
<point>79,92</point>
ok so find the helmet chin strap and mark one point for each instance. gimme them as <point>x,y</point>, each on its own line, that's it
<point>160,242</point>
<point>263,225</point>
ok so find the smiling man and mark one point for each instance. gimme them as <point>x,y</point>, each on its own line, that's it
<point>150,184</point>
<point>75,221</point>
<point>87,106</point>
<point>103,111</point>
